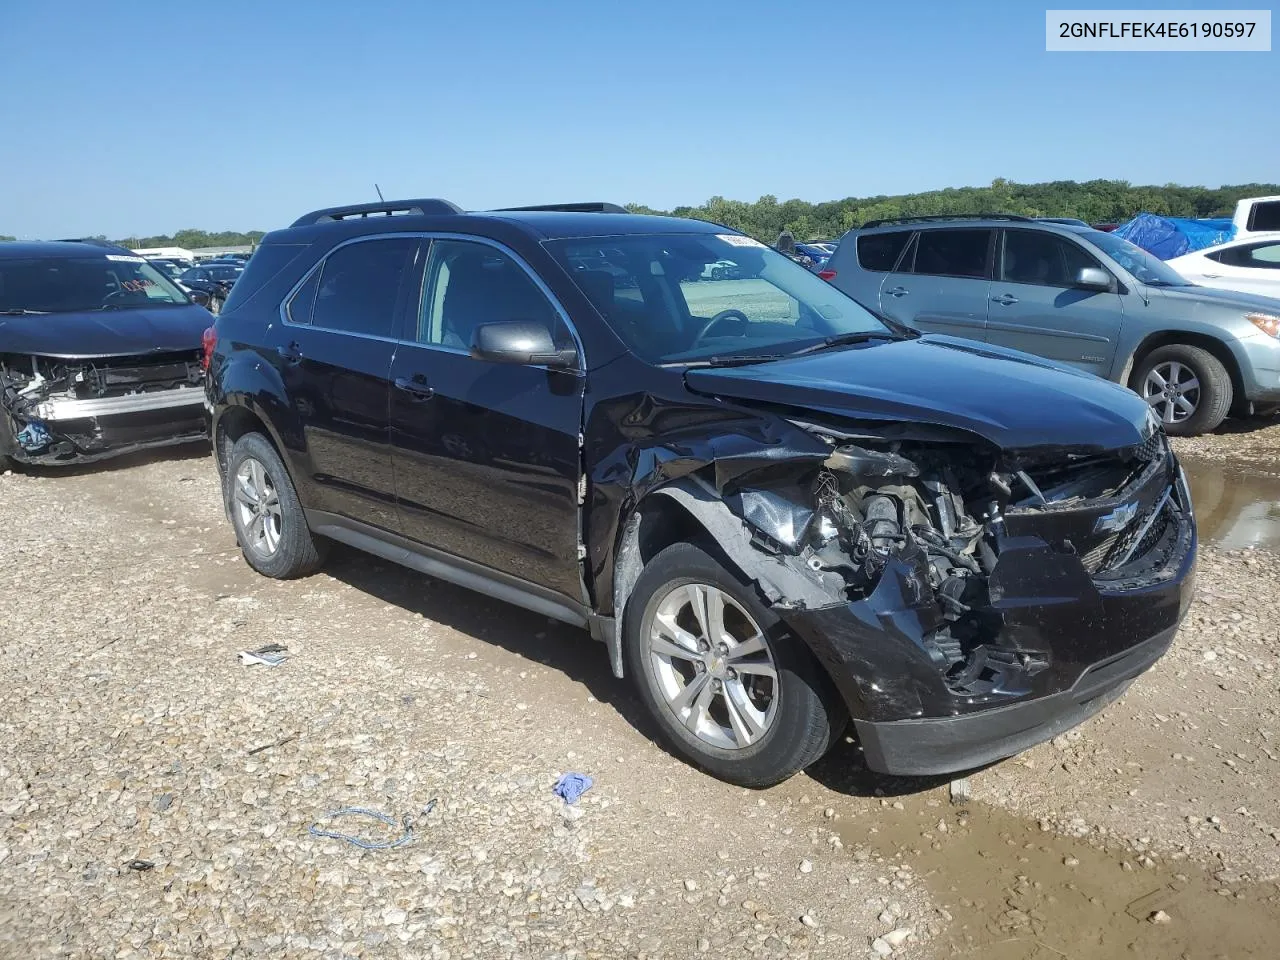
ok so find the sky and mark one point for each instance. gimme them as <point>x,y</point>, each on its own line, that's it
<point>131,119</point>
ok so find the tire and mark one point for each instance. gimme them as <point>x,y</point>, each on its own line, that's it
<point>1210,399</point>
<point>283,546</point>
<point>795,716</point>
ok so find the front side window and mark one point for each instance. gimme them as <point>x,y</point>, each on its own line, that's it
<point>359,285</point>
<point>688,297</point>
<point>468,284</point>
<point>79,284</point>
<point>1045,259</point>
<point>880,251</point>
<point>953,253</point>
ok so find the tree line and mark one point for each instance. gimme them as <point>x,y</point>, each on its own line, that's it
<point>1095,201</point>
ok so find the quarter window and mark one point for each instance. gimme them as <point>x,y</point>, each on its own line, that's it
<point>952,253</point>
<point>1265,256</point>
<point>468,284</point>
<point>359,284</point>
<point>303,299</point>
<point>1032,256</point>
<point>880,251</point>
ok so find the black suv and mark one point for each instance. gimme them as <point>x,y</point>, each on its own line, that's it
<point>777,510</point>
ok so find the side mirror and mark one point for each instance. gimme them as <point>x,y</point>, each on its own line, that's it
<point>520,341</point>
<point>1092,278</point>
<point>199,297</point>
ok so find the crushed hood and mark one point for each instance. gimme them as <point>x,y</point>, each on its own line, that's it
<point>111,333</point>
<point>1012,399</point>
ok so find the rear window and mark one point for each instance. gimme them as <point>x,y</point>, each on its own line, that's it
<point>953,253</point>
<point>1265,216</point>
<point>266,262</point>
<point>880,251</point>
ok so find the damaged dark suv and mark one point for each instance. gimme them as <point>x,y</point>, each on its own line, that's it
<point>778,511</point>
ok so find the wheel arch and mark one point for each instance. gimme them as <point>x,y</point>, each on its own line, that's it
<point>1217,347</point>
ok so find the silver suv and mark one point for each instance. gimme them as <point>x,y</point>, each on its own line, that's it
<point>1075,295</point>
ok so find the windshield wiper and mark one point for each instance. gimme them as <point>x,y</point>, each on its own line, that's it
<point>844,339</point>
<point>23,312</point>
<point>744,359</point>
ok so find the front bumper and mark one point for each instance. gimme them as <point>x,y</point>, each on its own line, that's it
<point>1067,644</point>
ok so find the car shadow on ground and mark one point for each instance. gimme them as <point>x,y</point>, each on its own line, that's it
<point>194,451</point>
<point>571,651</point>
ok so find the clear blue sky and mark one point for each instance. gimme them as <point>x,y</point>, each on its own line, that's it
<point>135,119</point>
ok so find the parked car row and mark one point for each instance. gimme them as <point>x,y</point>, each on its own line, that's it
<point>1075,295</point>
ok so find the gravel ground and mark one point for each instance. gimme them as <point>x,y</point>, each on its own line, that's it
<point>1252,443</point>
<point>131,732</point>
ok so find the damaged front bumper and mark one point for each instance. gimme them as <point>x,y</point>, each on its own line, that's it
<point>1067,642</point>
<point>57,411</point>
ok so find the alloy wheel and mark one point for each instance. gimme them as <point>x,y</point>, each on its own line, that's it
<point>713,666</point>
<point>1173,391</point>
<point>257,504</point>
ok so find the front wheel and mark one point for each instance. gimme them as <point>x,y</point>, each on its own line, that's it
<point>1187,387</point>
<point>266,513</point>
<point>731,690</point>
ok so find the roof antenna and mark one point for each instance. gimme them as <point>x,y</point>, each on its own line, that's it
<point>380,197</point>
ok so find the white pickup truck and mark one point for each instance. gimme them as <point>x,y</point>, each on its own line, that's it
<point>1256,215</point>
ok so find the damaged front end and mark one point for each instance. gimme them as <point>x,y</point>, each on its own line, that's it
<point>968,601</point>
<point>56,410</point>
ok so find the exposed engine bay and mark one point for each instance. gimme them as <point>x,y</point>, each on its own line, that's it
<point>61,410</point>
<point>916,531</point>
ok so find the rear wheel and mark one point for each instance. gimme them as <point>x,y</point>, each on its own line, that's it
<point>1187,387</point>
<point>268,518</point>
<point>730,689</point>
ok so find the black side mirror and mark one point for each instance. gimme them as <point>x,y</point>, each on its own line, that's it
<point>199,297</point>
<point>1092,278</point>
<point>520,341</point>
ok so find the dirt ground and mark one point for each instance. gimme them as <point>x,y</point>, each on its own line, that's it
<point>156,795</point>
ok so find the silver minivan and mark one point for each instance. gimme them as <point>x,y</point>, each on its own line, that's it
<point>1067,292</point>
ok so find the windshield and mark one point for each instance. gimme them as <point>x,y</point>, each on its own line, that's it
<point>76,284</point>
<point>676,298</point>
<point>1144,267</point>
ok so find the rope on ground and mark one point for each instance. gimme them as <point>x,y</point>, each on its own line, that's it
<point>406,824</point>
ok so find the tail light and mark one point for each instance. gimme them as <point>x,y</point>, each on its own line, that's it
<point>827,275</point>
<point>208,340</point>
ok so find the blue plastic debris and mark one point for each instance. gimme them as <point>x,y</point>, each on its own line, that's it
<point>404,824</point>
<point>571,786</point>
<point>33,437</point>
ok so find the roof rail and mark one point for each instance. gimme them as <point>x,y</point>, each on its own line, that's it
<point>95,242</point>
<point>390,208</point>
<point>588,207</point>
<point>931,217</point>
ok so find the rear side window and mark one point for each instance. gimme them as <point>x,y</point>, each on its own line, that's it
<point>298,309</point>
<point>953,253</point>
<point>880,251</point>
<point>359,285</point>
<point>1265,216</point>
<point>1265,256</point>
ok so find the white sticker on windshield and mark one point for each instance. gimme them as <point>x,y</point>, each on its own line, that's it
<point>118,258</point>
<point>738,240</point>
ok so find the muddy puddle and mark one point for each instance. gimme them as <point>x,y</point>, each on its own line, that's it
<point>1015,892</point>
<point>1234,509</point>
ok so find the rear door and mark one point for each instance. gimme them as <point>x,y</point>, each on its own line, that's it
<point>486,454</point>
<point>1035,306</point>
<point>941,282</point>
<point>334,351</point>
<point>1250,268</point>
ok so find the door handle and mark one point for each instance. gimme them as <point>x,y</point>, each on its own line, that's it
<point>292,353</point>
<point>1211,276</point>
<point>416,387</point>
<point>898,292</point>
<point>1007,299</point>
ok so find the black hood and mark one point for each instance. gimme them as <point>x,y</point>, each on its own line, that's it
<point>1012,399</point>
<point>110,333</point>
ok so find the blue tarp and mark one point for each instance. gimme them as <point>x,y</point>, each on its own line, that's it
<point>1169,237</point>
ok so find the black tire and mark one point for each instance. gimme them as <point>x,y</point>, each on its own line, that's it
<point>809,714</point>
<point>1215,394</point>
<point>298,552</point>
